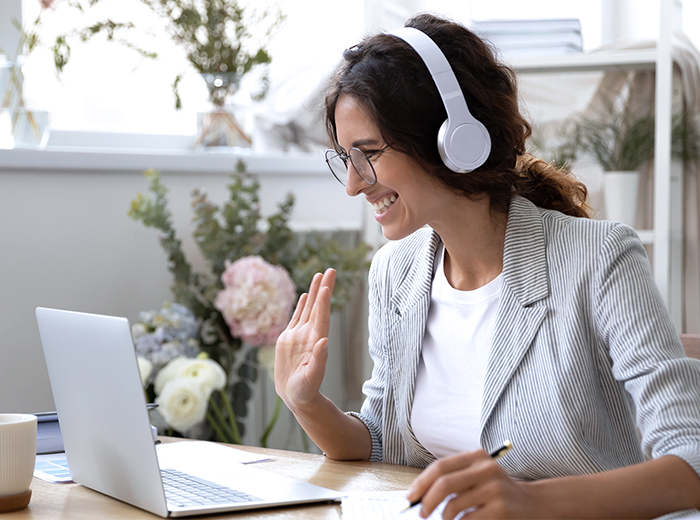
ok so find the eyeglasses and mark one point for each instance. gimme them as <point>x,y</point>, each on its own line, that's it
<point>338,163</point>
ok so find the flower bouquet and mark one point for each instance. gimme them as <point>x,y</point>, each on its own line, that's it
<point>226,315</point>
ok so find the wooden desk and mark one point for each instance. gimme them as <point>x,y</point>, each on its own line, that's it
<point>75,502</point>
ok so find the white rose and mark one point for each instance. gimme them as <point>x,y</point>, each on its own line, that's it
<point>183,403</point>
<point>207,372</point>
<point>145,368</point>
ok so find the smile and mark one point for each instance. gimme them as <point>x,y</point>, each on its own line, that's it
<point>382,205</point>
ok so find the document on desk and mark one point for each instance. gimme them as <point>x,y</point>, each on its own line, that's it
<point>382,505</point>
<point>170,453</point>
<point>52,467</point>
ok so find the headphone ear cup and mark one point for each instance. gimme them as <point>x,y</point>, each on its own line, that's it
<point>464,147</point>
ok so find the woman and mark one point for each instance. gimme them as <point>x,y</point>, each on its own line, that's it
<point>498,311</point>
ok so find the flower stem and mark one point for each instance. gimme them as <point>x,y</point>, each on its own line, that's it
<point>268,430</point>
<point>230,435</point>
<point>217,428</point>
<point>232,417</point>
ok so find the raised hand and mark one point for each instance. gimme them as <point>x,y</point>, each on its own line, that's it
<point>302,348</point>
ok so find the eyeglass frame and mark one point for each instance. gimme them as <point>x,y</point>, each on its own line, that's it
<point>346,156</point>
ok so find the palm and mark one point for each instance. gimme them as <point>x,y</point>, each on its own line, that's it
<point>301,349</point>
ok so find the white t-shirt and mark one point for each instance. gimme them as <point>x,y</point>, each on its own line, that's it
<point>450,381</point>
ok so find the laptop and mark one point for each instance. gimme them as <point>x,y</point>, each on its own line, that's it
<point>107,435</point>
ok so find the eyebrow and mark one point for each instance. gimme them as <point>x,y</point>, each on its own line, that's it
<point>362,142</point>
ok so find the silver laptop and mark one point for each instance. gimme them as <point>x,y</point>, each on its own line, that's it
<point>107,434</point>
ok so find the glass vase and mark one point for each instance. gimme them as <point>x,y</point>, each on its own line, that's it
<point>19,127</point>
<point>221,128</point>
<point>22,128</point>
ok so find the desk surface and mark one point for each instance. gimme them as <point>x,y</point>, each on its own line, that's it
<point>75,502</point>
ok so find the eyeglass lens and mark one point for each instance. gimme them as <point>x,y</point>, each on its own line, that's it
<point>360,163</point>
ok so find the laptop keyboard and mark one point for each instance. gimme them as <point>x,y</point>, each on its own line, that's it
<point>183,490</point>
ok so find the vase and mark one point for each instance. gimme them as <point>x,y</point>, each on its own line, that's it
<point>221,127</point>
<point>22,128</point>
<point>19,126</point>
<point>620,193</point>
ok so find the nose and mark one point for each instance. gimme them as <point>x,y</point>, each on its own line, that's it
<point>354,183</point>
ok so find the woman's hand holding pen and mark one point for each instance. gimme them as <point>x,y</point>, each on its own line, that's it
<point>478,482</point>
<point>302,348</point>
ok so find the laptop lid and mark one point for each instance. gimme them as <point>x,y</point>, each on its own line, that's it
<point>101,406</point>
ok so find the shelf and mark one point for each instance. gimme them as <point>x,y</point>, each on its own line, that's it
<point>631,59</point>
<point>646,236</point>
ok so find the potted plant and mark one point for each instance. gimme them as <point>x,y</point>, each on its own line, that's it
<point>620,137</point>
<point>223,41</point>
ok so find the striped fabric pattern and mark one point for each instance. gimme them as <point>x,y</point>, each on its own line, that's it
<point>584,354</point>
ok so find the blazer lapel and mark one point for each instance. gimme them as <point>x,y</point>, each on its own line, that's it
<point>521,310</point>
<point>409,314</point>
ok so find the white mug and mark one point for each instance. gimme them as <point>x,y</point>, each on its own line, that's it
<point>17,452</point>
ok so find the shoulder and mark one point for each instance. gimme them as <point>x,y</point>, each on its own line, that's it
<point>578,233</point>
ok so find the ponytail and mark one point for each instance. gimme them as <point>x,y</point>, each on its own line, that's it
<point>550,187</point>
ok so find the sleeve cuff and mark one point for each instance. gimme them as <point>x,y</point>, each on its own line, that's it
<point>376,455</point>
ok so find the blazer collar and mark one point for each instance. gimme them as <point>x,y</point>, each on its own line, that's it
<point>419,279</point>
<point>524,259</point>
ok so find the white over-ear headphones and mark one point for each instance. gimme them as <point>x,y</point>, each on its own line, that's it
<point>463,142</point>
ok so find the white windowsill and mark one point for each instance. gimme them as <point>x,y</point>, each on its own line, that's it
<point>75,159</point>
<point>97,151</point>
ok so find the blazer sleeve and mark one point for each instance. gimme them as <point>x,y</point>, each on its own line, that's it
<point>372,411</point>
<point>645,349</point>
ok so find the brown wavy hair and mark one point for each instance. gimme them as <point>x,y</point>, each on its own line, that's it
<point>393,85</point>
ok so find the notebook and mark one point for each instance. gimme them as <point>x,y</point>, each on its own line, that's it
<point>106,430</point>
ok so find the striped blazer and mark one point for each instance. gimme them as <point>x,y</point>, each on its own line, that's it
<point>584,358</point>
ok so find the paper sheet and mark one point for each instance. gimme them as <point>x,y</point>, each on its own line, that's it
<point>382,505</point>
<point>52,467</point>
<point>169,451</point>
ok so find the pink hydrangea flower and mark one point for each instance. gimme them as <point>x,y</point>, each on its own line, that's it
<point>256,300</point>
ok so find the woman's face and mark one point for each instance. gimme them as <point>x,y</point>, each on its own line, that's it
<point>404,197</point>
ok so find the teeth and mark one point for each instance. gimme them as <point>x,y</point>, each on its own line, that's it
<point>382,205</point>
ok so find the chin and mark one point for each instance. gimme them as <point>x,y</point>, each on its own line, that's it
<point>393,234</point>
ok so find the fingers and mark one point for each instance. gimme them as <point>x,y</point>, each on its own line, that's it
<point>444,477</point>
<point>319,282</point>
<point>301,303</point>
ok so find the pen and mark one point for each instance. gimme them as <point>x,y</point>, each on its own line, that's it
<point>495,455</point>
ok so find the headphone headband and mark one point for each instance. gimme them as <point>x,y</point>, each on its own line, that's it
<point>463,141</point>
